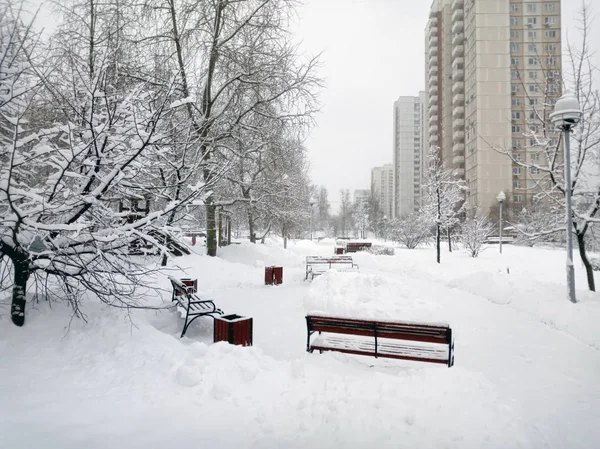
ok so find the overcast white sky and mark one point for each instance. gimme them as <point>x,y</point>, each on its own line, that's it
<point>373,52</point>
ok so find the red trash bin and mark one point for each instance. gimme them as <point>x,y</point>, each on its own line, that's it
<point>269,275</point>
<point>234,329</point>
<point>339,250</point>
<point>277,275</point>
<point>190,284</point>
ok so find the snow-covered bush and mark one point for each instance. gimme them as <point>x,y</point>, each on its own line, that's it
<point>381,250</point>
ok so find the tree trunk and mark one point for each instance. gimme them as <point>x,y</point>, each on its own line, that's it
<point>284,237</point>
<point>586,263</point>
<point>211,227</point>
<point>22,273</point>
<point>438,243</point>
<point>449,240</point>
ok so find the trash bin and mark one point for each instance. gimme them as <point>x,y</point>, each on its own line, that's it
<point>277,275</point>
<point>190,284</point>
<point>234,329</point>
<point>269,275</point>
<point>339,250</point>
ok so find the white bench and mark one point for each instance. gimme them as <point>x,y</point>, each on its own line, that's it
<point>316,265</point>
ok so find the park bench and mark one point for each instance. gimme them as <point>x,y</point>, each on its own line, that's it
<point>389,339</point>
<point>194,306</point>
<point>316,265</point>
<point>353,247</point>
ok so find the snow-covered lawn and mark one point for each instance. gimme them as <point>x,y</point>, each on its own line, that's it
<point>525,376</point>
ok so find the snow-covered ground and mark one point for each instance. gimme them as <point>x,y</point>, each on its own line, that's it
<point>525,375</point>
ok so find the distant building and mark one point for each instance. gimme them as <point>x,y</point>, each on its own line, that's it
<point>382,186</point>
<point>409,154</point>
<point>361,195</point>
<point>491,66</point>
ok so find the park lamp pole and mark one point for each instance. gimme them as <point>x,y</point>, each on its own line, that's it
<point>501,197</point>
<point>566,115</point>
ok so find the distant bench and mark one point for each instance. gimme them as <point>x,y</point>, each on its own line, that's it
<point>353,247</point>
<point>185,296</point>
<point>316,265</point>
<point>423,342</point>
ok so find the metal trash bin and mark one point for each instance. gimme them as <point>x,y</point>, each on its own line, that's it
<point>234,329</point>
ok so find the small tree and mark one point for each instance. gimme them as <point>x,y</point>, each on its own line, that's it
<point>410,230</point>
<point>533,223</point>
<point>475,231</point>
<point>445,198</point>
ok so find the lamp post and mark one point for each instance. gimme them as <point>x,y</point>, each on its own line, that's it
<point>312,202</point>
<point>566,115</point>
<point>501,197</point>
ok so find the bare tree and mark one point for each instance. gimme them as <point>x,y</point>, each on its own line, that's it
<point>445,198</point>
<point>410,231</point>
<point>474,233</point>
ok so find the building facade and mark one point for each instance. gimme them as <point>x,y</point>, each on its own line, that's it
<point>492,76</point>
<point>409,154</point>
<point>382,186</point>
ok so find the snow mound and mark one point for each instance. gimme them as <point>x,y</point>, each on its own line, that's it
<point>545,301</point>
<point>358,295</point>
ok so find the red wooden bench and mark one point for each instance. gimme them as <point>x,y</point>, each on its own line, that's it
<point>316,265</point>
<point>423,342</point>
<point>353,247</point>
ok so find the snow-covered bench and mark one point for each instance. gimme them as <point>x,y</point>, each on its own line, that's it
<point>353,247</point>
<point>316,265</point>
<point>185,296</point>
<point>423,342</point>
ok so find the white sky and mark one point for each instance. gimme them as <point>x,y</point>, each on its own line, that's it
<point>373,52</point>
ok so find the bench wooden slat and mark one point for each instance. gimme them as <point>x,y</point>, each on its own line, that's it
<point>382,338</point>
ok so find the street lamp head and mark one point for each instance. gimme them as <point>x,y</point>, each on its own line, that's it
<point>567,112</point>
<point>501,197</point>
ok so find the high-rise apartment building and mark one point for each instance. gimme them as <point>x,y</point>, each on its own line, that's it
<point>492,68</point>
<point>361,195</point>
<point>382,186</point>
<point>409,157</point>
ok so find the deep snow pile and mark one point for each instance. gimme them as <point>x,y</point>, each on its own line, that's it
<point>525,376</point>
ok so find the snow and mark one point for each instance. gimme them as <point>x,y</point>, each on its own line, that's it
<point>525,373</point>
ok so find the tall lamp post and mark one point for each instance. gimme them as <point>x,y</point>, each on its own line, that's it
<point>566,115</point>
<point>501,197</point>
<point>312,203</point>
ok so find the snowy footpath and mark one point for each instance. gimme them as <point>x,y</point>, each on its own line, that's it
<point>526,374</point>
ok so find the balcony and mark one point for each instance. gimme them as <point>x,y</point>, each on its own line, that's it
<point>432,60</point>
<point>458,75</point>
<point>433,80</point>
<point>458,149</point>
<point>433,40</point>
<point>458,136</point>
<point>433,99</point>
<point>432,70</point>
<point>433,49</point>
<point>458,100</point>
<point>457,4</point>
<point>433,129</point>
<point>433,109</point>
<point>433,118</point>
<point>458,112</point>
<point>433,14</point>
<point>458,88</point>
<point>433,138</point>
<point>458,160</point>
<point>459,172</point>
<point>433,90</point>
<point>458,51</point>
<point>458,15</point>
<point>458,124</point>
<point>458,38</point>
<point>433,31</point>
<point>458,26</point>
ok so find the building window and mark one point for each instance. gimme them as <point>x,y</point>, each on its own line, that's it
<point>534,170</point>
<point>550,61</point>
<point>549,20</point>
<point>515,115</point>
<point>550,33</point>
<point>549,7</point>
<point>550,48</point>
<point>532,75</point>
<point>552,88</point>
<point>517,198</point>
<point>514,20</point>
<point>531,21</point>
<point>532,61</point>
<point>516,185</point>
<point>531,7</point>
<point>514,34</point>
<point>533,101</point>
<point>514,61</point>
<point>514,74</point>
<point>515,128</point>
<point>534,88</point>
<point>514,7</point>
<point>514,89</point>
<point>535,157</point>
<point>531,48</point>
<point>516,143</point>
<point>531,34</point>
<point>532,115</point>
<point>516,157</point>
<point>516,171</point>
<point>514,46</point>
<point>515,101</point>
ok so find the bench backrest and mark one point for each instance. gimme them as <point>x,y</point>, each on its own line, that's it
<point>430,333</point>
<point>328,260</point>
